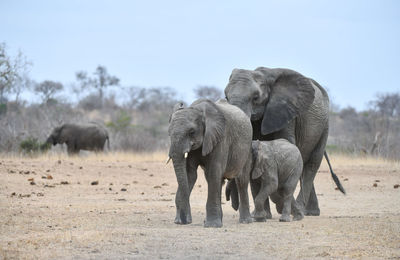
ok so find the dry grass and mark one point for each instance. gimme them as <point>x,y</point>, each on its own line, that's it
<point>130,212</point>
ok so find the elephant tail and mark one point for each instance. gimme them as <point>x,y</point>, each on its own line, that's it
<point>334,176</point>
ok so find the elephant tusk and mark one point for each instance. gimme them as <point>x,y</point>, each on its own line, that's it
<point>168,159</point>
<point>186,155</point>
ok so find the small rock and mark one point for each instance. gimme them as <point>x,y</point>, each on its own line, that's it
<point>111,184</point>
<point>396,186</point>
<point>64,183</point>
<point>199,186</point>
<point>123,189</point>
<point>94,183</point>
<point>27,172</point>
<point>49,177</point>
<point>377,181</point>
<point>59,161</point>
<point>44,177</point>
<point>80,167</point>
<point>142,193</point>
<point>30,179</point>
<point>11,171</point>
<point>49,186</point>
<point>157,187</point>
<point>32,183</point>
<point>135,182</point>
<point>130,166</point>
<point>13,194</point>
<point>164,184</point>
<point>144,169</point>
<point>375,185</point>
<point>151,175</point>
<point>346,179</point>
<point>109,188</point>
<point>48,170</point>
<point>40,194</point>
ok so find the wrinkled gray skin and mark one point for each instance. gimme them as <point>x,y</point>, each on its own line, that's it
<point>78,137</point>
<point>216,136</point>
<point>284,104</point>
<point>277,167</point>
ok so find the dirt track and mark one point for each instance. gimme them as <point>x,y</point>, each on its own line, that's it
<point>80,220</point>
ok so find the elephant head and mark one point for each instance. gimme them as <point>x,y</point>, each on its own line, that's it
<point>56,137</point>
<point>275,96</point>
<point>200,126</point>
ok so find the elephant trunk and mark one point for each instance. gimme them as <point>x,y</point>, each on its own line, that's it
<point>182,196</point>
<point>245,107</point>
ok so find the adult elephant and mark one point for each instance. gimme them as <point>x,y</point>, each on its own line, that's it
<point>78,137</point>
<point>282,103</point>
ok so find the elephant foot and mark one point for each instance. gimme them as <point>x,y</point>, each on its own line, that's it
<point>183,219</point>
<point>246,220</point>
<point>284,218</point>
<point>298,217</point>
<point>260,216</point>
<point>213,223</point>
<point>312,212</point>
<point>267,216</point>
<point>260,219</point>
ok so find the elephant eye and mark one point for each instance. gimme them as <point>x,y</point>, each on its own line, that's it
<point>256,98</point>
<point>191,132</point>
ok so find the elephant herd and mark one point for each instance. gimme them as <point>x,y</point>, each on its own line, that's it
<point>270,131</point>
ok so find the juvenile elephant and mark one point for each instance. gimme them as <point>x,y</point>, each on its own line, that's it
<point>282,103</point>
<point>277,167</point>
<point>216,136</point>
<point>78,137</point>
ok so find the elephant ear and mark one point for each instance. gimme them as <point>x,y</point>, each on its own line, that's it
<point>290,95</point>
<point>214,122</point>
<point>264,161</point>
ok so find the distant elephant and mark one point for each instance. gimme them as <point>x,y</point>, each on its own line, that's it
<point>282,103</point>
<point>277,167</point>
<point>216,136</point>
<point>78,137</point>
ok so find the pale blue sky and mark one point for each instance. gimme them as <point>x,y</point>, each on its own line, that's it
<point>350,47</point>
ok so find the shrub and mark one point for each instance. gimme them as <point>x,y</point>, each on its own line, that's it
<point>32,145</point>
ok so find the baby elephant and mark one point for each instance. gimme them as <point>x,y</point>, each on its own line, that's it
<point>278,166</point>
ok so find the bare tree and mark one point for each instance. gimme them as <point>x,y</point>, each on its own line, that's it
<point>101,80</point>
<point>47,89</point>
<point>13,73</point>
<point>208,92</point>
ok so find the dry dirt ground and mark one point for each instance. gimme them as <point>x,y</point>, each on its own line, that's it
<point>49,209</point>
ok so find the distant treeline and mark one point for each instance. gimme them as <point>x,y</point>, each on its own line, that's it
<point>140,121</point>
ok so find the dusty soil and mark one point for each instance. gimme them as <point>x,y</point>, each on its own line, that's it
<point>129,213</point>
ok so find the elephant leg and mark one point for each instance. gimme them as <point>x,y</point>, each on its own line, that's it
<point>286,208</point>
<point>267,189</point>
<point>310,169</point>
<point>312,208</point>
<point>213,205</point>
<point>242,184</point>
<point>277,199</point>
<point>71,150</point>
<point>296,210</point>
<point>192,177</point>
<point>255,186</point>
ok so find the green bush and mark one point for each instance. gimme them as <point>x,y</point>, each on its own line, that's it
<point>32,145</point>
